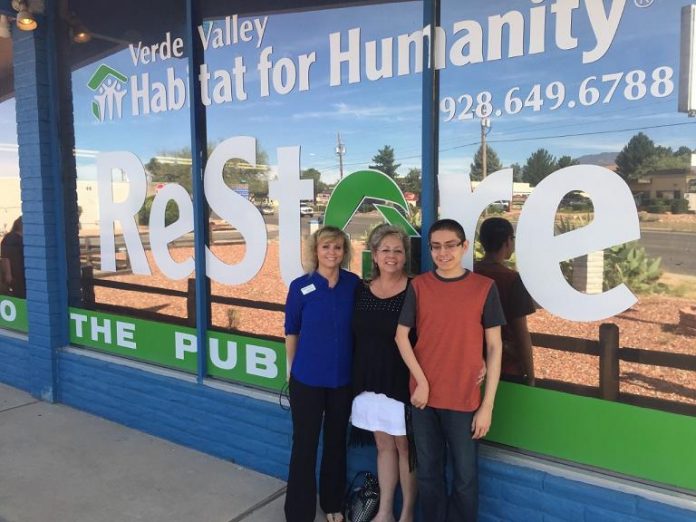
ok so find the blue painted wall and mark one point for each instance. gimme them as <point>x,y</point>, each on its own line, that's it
<point>250,432</point>
<point>41,190</point>
<point>514,493</point>
<point>13,363</point>
<point>257,434</point>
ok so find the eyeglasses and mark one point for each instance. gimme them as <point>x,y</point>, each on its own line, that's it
<point>447,247</point>
<point>388,251</point>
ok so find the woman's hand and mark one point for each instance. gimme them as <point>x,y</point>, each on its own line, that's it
<point>420,395</point>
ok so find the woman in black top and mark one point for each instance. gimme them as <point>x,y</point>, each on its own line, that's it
<point>380,377</point>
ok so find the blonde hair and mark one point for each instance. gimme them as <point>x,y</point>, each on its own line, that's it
<point>378,234</point>
<point>328,233</point>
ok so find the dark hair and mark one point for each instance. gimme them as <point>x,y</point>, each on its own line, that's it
<point>494,233</point>
<point>447,224</point>
<point>17,225</point>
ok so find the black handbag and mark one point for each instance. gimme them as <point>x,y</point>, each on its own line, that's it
<point>362,503</point>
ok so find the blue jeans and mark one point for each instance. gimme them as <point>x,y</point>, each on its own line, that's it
<point>434,431</point>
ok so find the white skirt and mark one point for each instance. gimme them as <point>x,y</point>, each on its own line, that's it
<point>377,412</point>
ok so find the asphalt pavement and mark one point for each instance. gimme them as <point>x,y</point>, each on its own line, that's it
<point>62,465</point>
<point>676,249</point>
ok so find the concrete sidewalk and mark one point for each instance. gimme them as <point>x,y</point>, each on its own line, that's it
<point>62,465</point>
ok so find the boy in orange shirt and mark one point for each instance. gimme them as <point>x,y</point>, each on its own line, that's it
<point>455,312</point>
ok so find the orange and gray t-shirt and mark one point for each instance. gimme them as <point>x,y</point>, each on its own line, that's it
<point>450,316</point>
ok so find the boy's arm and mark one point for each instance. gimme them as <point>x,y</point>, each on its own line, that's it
<point>523,343</point>
<point>494,351</point>
<point>420,395</point>
<point>290,349</point>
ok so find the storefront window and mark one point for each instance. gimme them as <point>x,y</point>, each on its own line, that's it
<point>592,123</point>
<point>320,95</point>
<point>133,157</point>
<point>280,102</point>
<point>12,283</point>
<point>290,112</point>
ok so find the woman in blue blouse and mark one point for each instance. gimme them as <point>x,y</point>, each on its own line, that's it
<point>318,343</point>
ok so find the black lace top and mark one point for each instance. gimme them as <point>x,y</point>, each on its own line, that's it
<point>377,363</point>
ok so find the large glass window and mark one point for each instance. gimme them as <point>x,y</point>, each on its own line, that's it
<point>133,157</point>
<point>282,103</point>
<point>321,94</point>
<point>591,121</point>
<point>316,95</point>
<point>563,120</point>
<point>12,282</point>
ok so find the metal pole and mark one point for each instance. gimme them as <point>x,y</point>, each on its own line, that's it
<point>484,152</point>
<point>199,155</point>
<point>431,132</point>
<point>485,129</point>
<point>340,151</point>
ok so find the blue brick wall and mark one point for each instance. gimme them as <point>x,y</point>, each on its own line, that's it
<point>252,433</point>
<point>257,434</point>
<point>511,493</point>
<point>41,190</point>
<point>13,363</point>
<point>514,493</point>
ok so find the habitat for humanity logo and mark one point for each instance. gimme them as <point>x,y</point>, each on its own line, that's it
<point>368,186</point>
<point>109,84</point>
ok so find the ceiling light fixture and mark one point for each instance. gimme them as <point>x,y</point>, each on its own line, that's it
<point>25,19</point>
<point>80,34</point>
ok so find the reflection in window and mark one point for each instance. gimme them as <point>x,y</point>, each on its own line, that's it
<point>538,108</point>
<point>287,96</point>
<point>133,160</point>
<point>12,281</point>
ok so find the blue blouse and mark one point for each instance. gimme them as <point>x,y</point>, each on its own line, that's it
<point>321,318</point>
